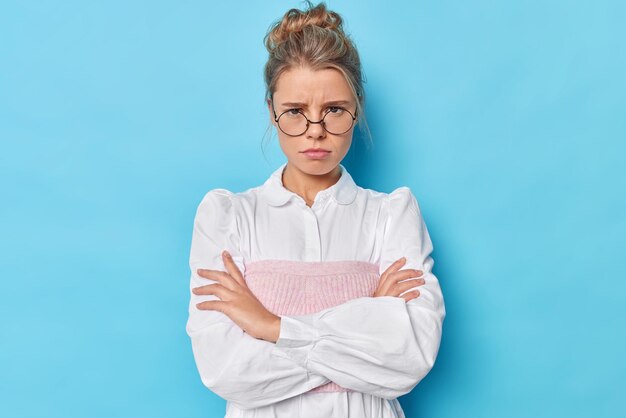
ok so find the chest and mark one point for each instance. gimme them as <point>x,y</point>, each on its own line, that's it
<point>299,232</point>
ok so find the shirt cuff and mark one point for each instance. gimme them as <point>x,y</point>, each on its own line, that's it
<point>297,337</point>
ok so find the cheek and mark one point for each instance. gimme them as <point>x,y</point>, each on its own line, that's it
<point>288,144</point>
<point>345,142</point>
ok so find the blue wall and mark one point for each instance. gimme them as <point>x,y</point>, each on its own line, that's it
<point>507,120</point>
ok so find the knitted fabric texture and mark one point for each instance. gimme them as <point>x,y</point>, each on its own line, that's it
<point>288,287</point>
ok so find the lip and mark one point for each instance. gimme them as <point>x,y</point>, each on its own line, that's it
<point>316,153</point>
<point>316,150</point>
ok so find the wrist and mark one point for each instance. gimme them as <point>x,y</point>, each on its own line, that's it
<point>274,329</point>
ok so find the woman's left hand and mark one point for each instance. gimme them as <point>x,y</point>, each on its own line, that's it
<point>237,301</point>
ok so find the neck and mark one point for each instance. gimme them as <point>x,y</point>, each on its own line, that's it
<point>308,185</point>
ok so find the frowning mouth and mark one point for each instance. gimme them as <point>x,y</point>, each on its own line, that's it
<point>316,153</point>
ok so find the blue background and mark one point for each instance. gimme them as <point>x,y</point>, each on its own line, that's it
<point>507,120</point>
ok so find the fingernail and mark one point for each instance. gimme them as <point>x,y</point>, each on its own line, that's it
<point>225,254</point>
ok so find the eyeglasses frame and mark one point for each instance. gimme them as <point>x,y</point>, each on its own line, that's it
<point>308,121</point>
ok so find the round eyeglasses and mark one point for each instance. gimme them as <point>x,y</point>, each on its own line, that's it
<point>336,120</point>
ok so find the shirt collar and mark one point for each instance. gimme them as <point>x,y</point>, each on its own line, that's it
<point>343,191</point>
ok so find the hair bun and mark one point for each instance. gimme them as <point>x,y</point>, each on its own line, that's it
<point>295,20</point>
<point>314,39</point>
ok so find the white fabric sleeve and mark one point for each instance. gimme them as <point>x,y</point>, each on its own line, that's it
<point>383,346</point>
<point>232,363</point>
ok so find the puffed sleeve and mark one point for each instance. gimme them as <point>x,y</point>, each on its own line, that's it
<point>383,346</point>
<point>231,363</point>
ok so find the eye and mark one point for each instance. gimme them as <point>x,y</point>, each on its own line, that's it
<point>335,111</point>
<point>293,111</point>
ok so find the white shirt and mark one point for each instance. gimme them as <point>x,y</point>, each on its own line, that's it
<point>380,347</point>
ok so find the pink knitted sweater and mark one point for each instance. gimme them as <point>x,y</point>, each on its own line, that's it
<point>288,287</point>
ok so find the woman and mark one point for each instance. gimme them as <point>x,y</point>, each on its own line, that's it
<point>311,296</point>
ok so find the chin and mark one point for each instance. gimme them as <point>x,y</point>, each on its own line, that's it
<point>315,167</point>
<point>319,168</point>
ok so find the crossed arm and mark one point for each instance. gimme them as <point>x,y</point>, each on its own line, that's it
<point>377,345</point>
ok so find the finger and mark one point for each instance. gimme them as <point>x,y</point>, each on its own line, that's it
<point>215,275</point>
<point>395,266</point>
<point>401,287</point>
<point>213,289</point>
<point>406,274</point>
<point>211,305</point>
<point>410,295</point>
<point>232,268</point>
<point>219,276</point>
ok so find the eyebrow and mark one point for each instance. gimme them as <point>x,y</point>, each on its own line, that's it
<point>297,104</point>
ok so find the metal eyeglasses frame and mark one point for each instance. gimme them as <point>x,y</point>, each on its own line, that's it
<point>308,121</point>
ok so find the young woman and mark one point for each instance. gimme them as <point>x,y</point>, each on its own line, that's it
<point>312,296</point>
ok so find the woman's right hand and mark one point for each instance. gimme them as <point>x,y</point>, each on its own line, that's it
<point>391,283</point>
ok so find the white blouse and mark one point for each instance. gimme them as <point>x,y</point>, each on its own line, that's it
<point>380,351</point>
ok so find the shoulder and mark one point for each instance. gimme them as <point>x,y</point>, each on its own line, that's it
<point>229,203</point>
<point>221,198</point>
<point>217,214</point>
<point>217,207</point>
<point>402,200</point>
<point>403,215</point>
<point>398,200</point>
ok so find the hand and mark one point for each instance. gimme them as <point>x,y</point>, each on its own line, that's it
<point>237,301</point>
<point>390,285</point>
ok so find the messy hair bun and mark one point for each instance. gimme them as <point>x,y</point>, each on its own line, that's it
<point>295,21</point>
<point>313,38</point>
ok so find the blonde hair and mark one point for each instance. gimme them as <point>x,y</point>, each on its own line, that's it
<point>314,38</point>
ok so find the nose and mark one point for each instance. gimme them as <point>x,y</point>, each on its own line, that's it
<point>316,130</point>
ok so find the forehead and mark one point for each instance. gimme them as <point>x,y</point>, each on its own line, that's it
<point>302,84</point>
